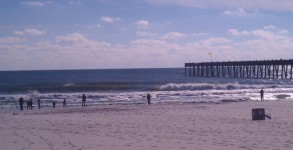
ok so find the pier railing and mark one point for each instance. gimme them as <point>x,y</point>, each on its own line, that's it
<point>267,69</point>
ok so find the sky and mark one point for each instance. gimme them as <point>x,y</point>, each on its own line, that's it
<point>109,34</point>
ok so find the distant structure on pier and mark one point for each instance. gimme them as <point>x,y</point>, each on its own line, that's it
<point>265,69</point>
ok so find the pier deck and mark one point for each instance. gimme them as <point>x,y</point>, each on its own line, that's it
<point>267,69</point>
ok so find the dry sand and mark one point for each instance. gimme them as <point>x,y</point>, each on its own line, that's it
<point>226,126</point>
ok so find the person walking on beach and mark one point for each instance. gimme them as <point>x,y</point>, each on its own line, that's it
<point>261,95</point>
<point>149,98</point>
<point>39,103</point>
<point>64,102</point>
<point>21,103</point>
<point>83,100</point>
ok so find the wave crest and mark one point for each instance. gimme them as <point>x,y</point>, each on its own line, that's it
<point>204,86</point>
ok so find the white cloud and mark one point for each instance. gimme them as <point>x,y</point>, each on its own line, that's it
<point>74,37</point>
<point>92,26</point>
<point>269,27</point>
<point>237,33</point>
<point>283,32</point>
<point>124,29</point>
<point>68,52</point>
<point>146,34</point>
<point>281,5</point>
<point>149,42</point>
<point>142,24</point>
<point>200,34</point>
<point>78,41</point>
<point>36,3</point>
<point>75,3</point>
<point>33,3</point>
<point>30,31</point>
<point>105,1</point>
<point>173,35</point>
<point>215,40</point>
<point>11,40</point>
<point>107,19</point>
<point>267,32</point>
<point>268,42</point>
<point>273,28</point>
<point>238,12</point>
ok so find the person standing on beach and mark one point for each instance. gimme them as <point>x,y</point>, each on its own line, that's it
<point>149,98</point>
<point>21,103</point>
<point>31,104</point>
<point>83,100</point>
<point>64,102</point>
<point>39,103</point>
<point>54,104</point>
<point>28,105</point>
<point>261,95</point>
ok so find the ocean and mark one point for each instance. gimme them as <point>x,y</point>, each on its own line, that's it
<point>130,86</point>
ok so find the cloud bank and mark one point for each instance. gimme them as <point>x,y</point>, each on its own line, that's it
<point>30,31</point>
<point>107,19</point>
<point>78,50</point>
<point>280,5</point>
<point>142,24</point>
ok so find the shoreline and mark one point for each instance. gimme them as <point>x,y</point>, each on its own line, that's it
<point>76,105</point>
<point>144,127</point>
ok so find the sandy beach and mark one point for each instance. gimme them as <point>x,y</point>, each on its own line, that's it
<point>225,126</point>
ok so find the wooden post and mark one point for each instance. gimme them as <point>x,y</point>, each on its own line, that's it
<point>273,71</point>
<point>276,71</point>
<point>291,72</point>
<point>189,70</point>
<point>185,70</point>
<point>286,71</point>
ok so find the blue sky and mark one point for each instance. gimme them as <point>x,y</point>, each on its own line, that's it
<point>100,34</point>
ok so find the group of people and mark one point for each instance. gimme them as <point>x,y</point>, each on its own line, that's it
<point>64,103</point>
<point>30,103</point>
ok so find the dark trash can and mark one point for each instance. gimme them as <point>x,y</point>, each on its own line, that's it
<point>258,114</point>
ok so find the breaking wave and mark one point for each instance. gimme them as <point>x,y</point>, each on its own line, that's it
<point>207,86</point>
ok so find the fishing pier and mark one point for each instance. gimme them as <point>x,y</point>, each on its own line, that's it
<point>265,69</point>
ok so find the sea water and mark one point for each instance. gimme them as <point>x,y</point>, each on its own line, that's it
<point>130,86</point>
